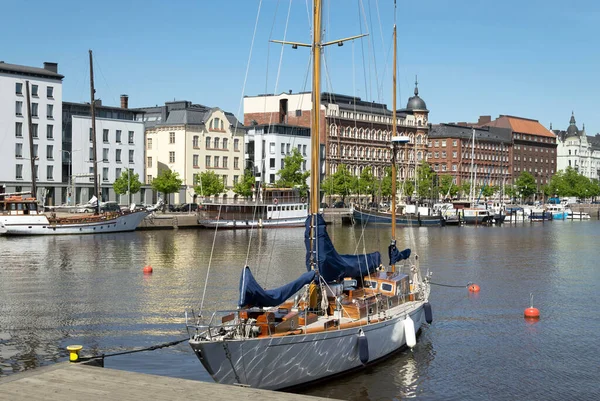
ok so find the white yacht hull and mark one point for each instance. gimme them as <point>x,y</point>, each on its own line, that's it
<point>240,224</point>
<point>40,225</point>
<point>280,362</point>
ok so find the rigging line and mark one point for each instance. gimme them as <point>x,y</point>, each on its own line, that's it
<point>269,53</point>
<point>103,77</point>
<point>372,48</point>
<point>212,250</point>
<point>362,49</point>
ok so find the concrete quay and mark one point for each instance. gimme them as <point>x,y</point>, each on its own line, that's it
<point>71,381</point>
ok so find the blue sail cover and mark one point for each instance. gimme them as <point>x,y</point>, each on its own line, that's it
<point>395,255</point>
<point>332,265</point>
<point>252,294</point>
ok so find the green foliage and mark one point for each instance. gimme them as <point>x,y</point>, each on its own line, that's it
<point>408,187</point>
<point>167,182</point>
<point>244,186</point>
<point>425,176</point>
<point>526,185</point>
<point>447,187</point>
<point>570,183</point>
<point>340,183</point>
<point>366,182</point>
<point>127,181</point>
<point>291,175</point>
<point>386,183</point>
<point>488,191</point>
<point>209,184</point>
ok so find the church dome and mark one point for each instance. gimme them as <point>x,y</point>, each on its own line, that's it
<point>415,102</point>
<point>572,130</point>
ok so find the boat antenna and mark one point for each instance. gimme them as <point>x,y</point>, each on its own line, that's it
<point>94,147</point>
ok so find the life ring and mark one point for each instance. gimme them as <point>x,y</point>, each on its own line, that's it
<point>275,201</point>
<point>302,200</point>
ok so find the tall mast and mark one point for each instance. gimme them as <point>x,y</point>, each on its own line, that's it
<point>30,129</point>
<point>316,109</point>
<point>94,147</point>
<point>394,128</point>
<point>471,188</point>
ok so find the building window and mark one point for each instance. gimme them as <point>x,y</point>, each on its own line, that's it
<point>283,148</point>
<point>443,155</point>
<point>18,150</point>
<point>225,143</point>
<point>236,144</point>
<point>225,180</point>
<point>304,150</point>
<point>18,88</point>
<point>304,165</point>
<point>216,144</point>
<point>91,171</point>
<point>443,142</point>
<point>207,161</point>
<point>454,167</point>
<point>50,131</point>
<point>149,161</point>
<point>216,160</point>
<point>171,137</point>
<point>105,174</point>
<point>19,172</point>
<point>287,148</point>
<point>272,163</point>
<point>131,137</point>
<point>225,161</point>
<point>149,179</point>
<point>118,156</point>
<point>34,90</point>
<point>34,130</point>
<point>50,173</point>
<point>131,156</point>
<point>92,157</point>
<point>236,162</point>
<point>49,152</point>
<point>454,142</point>
<point>105,154</point>
<point>91,135</point>
<point>195,161</point>
<point>117,173</point>
<point>19,108</point>
<point>195,142</point>
<point>105,135</point>
<point>207,144</point>
<point>454,155</point>
<point>34,109</point>
<point>171,157</point>
<point>50,111</point>
<point>118,136</point>
<point>282,164</point>
<point>271,178</point>
<point>235,179</point>
<point>19,130</point>
<point>50,92</point>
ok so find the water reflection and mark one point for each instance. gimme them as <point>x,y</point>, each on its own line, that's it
<point>90,290</point>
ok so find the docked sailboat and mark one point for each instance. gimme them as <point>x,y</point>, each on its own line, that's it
<point>22,215</point>
<point>342,313</point>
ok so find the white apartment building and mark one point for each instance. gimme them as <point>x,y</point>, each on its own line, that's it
<point>190,139</point>
<point>45,89</point>
<point>577,150</point>
<point>268,145</point>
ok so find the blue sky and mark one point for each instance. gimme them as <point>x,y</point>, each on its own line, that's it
<point>531,58</point>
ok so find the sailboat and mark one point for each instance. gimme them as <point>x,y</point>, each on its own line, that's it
<point>21,215</point>
<point>342,313</point>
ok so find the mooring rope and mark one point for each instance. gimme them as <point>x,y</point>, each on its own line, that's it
<point>451,286</point>
<point>151,348</point>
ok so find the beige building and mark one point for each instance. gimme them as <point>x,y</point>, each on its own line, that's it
<point>190,139</point>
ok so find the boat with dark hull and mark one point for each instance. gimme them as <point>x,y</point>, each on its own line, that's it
<point>371,216</point>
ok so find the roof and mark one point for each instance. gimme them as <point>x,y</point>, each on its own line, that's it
<point>183,113</point>
<point>492,134</point>
<point>25,70</point>
<point>101,106</point>
<point>521,125</point>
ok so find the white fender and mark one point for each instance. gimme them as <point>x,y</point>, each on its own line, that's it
<point>409,332</point>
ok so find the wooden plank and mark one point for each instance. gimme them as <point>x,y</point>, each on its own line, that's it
<point>65,381</point>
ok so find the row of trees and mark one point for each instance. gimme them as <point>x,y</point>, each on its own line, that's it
<point>210,184</point>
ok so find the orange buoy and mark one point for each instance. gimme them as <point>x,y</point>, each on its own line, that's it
<point>531,312</point>
<point>473,288</point>
<point>147,269</point>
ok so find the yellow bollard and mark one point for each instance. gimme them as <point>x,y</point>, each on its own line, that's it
<point>74,352</point>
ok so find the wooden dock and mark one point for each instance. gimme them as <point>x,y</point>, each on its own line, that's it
<point>68,381</point>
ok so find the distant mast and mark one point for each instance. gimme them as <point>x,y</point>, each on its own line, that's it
<point>94,147</point>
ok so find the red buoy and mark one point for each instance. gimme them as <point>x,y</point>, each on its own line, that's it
<point>532,313</point>
<point>147,269</point>
<point>473,288</point>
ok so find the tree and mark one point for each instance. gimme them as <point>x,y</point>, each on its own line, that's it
<point>425,177</point>
<point>128,181</point>
<point>291,175</point>
<point>208,184</point>
<point>408,188</point>
<point>366,182</point>
<point>167,182</point>
<point>386,183</point>
<point>465,188</point>
<point>245,186</point>
<point>340,183</point>
<point>526,185</point>
<point>447,186</point>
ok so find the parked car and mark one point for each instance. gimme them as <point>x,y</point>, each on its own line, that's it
<point>188,207</point>
<point>109,207</point>
<point>339,204</point>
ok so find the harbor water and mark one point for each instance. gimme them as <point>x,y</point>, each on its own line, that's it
<point>90,290</point>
